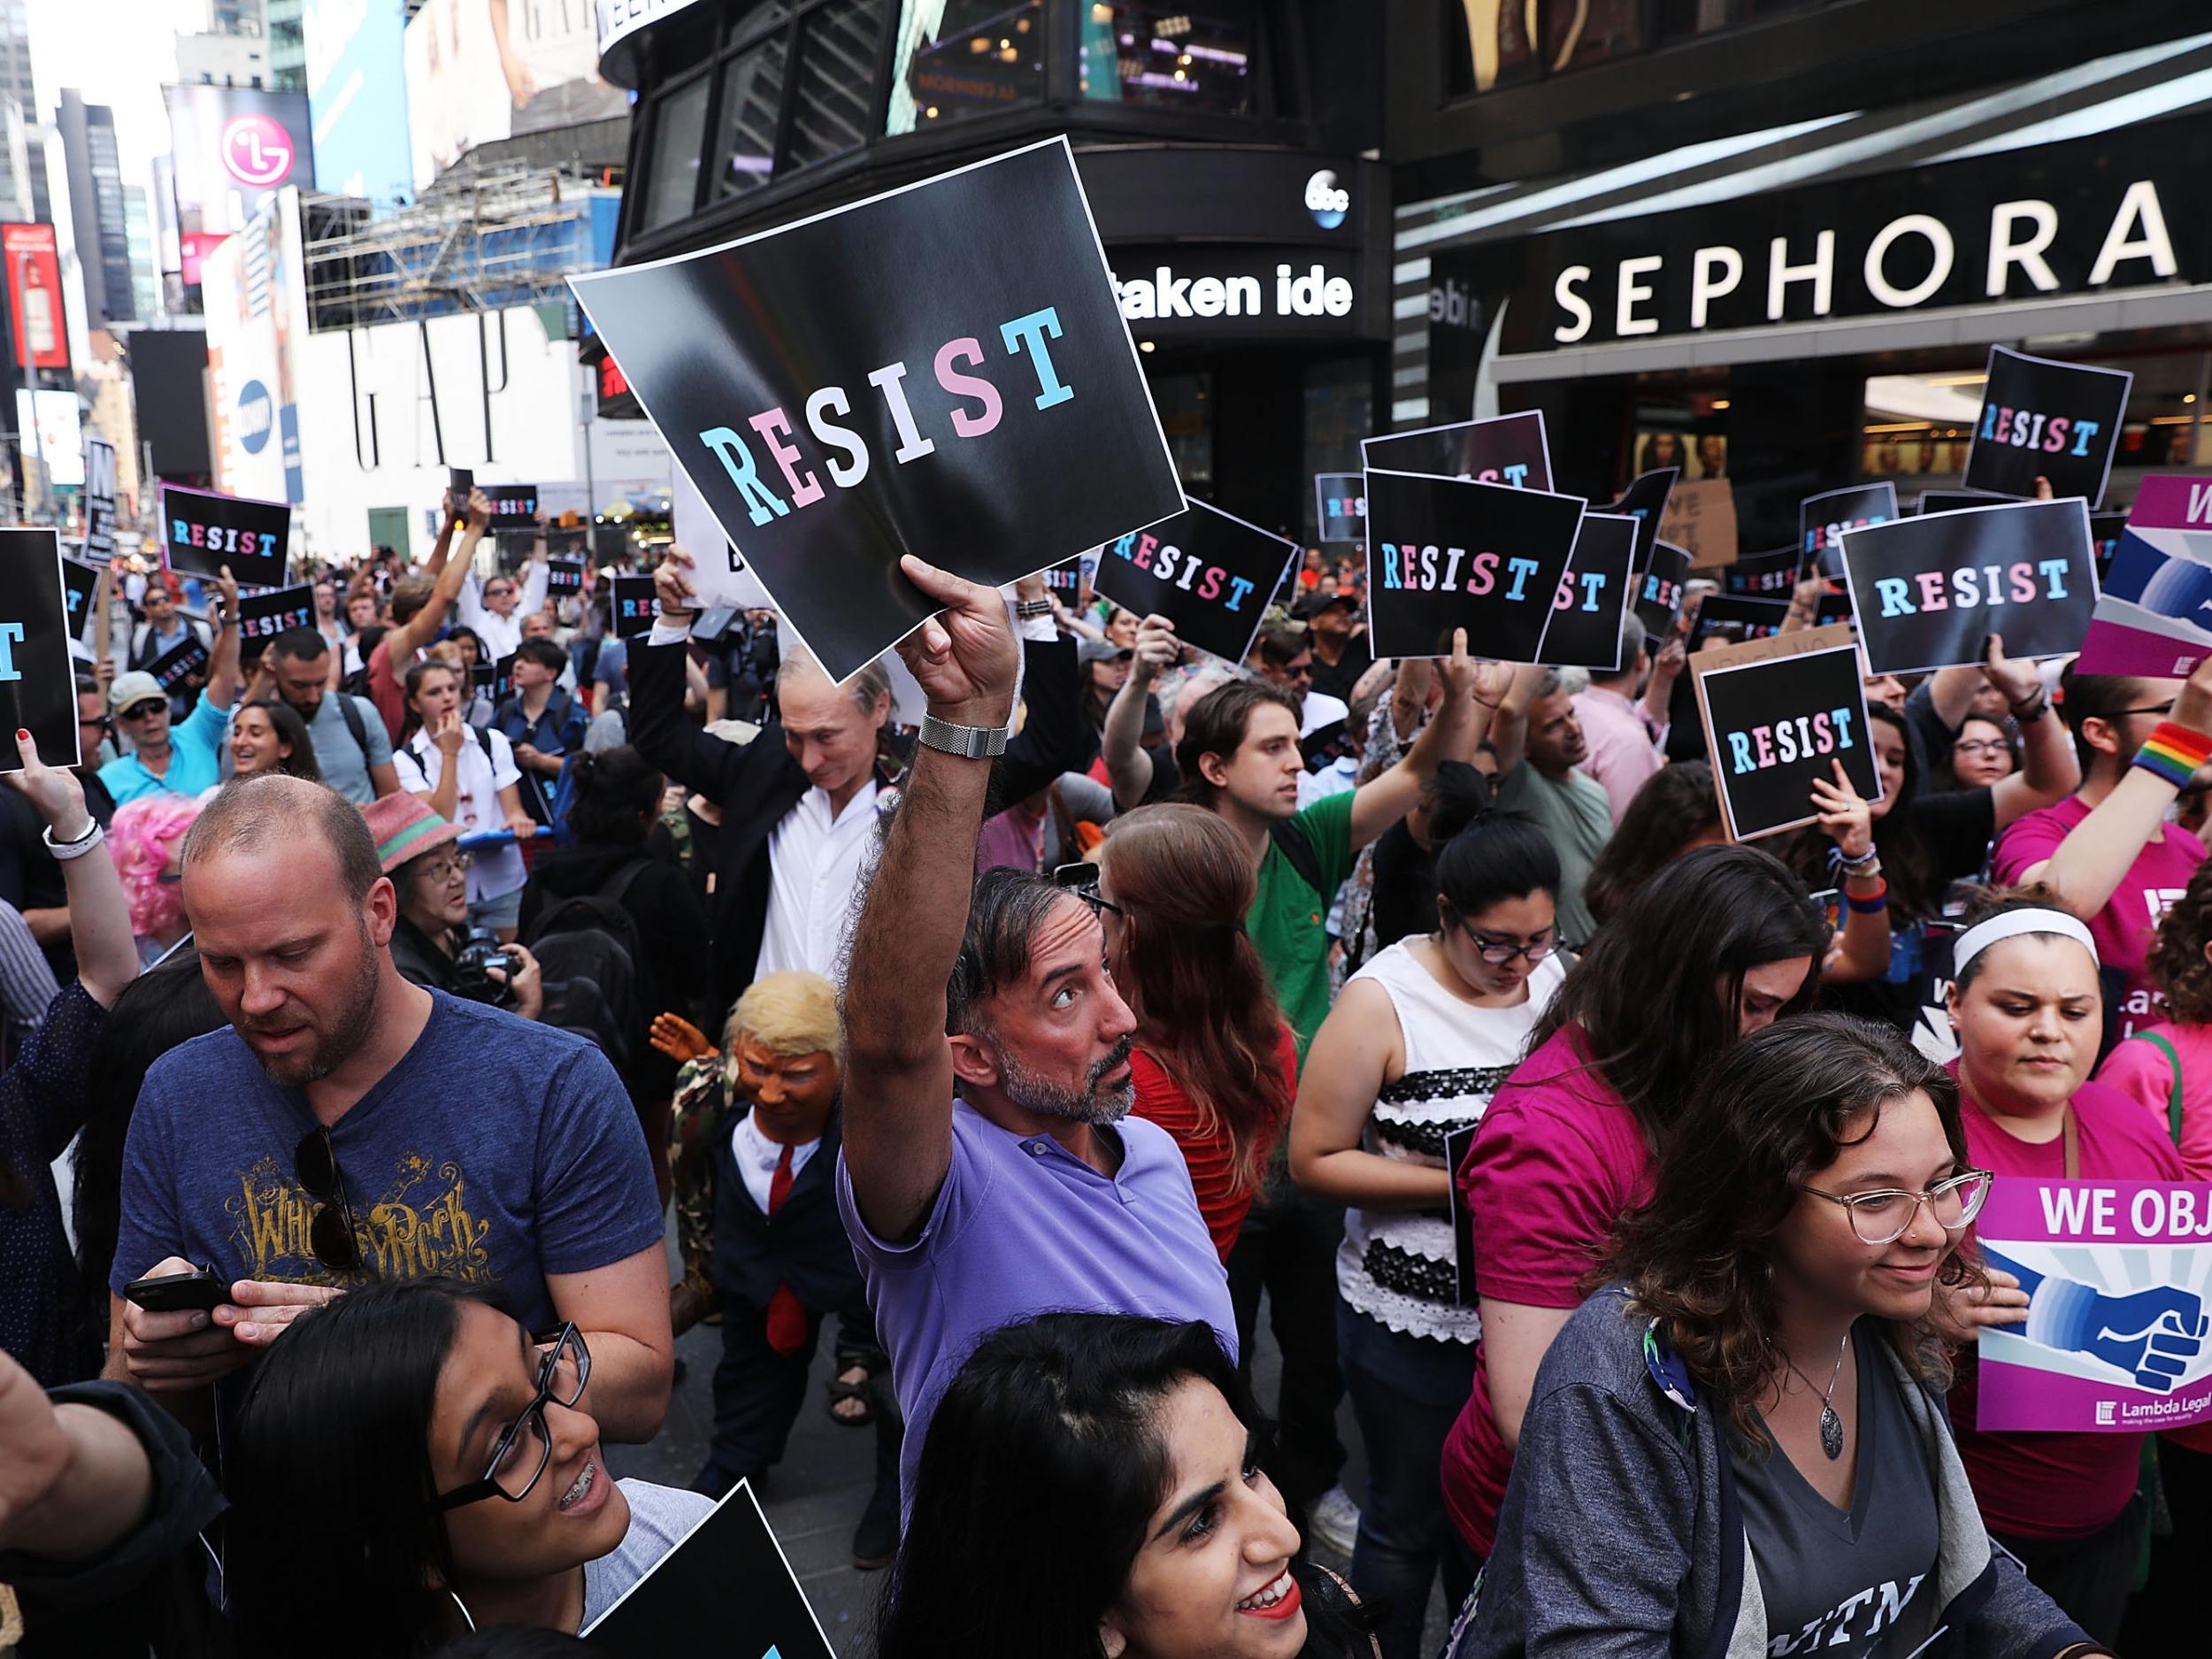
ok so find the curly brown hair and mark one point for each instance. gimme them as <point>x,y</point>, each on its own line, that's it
<point>1771,1113</point>
<point>2178,964</point>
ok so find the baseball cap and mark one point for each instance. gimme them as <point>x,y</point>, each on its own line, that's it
<point>135,687</point>
<point>1101,651</point>
<point>1314,604</point>
<point>405,828</point>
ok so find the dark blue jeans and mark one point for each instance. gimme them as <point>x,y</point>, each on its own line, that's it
<point>1407,1392</point>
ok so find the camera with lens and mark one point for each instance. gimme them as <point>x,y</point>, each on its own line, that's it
<point>481,950</point>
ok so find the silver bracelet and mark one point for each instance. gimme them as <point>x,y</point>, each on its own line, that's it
<point>64,851</point>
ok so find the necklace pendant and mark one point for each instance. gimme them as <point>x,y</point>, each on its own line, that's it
<point>1831,1432</point>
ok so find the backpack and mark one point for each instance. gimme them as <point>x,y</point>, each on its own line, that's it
<point>1298,852</point>
<point>590,943</point>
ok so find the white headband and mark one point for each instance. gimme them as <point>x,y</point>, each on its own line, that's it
<point>2011,924</point>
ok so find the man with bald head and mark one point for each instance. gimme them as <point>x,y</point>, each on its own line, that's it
<point>347,1126</point>
<point>798,804</point>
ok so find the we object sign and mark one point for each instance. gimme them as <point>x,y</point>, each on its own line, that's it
<point>940,370</point>
<point>2117,1274</point>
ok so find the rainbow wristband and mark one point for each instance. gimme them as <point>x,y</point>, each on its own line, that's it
<point>1866,904</point>
<point>2173,753</point>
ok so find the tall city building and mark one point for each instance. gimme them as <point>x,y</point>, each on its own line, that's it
<point>26,178</point>
<point>287,45</point>
<point>138,229</point>
<point>15,59</point>
<point>95,208</point>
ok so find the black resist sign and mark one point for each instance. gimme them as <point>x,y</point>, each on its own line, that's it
<point>1205,571</point>
<point>1509,449</point>
<point>683,1604</point>
<point>1776,717</point>
<point>1763,575</point>
<point>1659,593</point>
<point>262,617</point>
<point>633,606</point>
<point>37,678</point>
<point>205,533</point>
<point>1645,500</point>
<point>943,368</point>
<point>1822,519</point>
<point>1340,506</point>
<point>514,506</point>
<point>1928,591</point>
<point>2046,420</point>
<point>1446,553</point>
<point>563,576</point>
<point>1586,614</point>
<point>180,663</point>
<point>80,583</point>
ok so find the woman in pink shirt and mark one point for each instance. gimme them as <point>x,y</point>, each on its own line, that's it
<point>1725,944</point>
<point>2166,1067</point>
<point>2027,1006</point>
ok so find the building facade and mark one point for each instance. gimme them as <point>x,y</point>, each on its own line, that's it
<point>95,208</point>
<point>1228,155</point>
<point>1774,242</point>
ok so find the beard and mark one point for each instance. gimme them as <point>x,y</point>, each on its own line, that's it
<point>1095,1102</point>
<point>333,1046</point>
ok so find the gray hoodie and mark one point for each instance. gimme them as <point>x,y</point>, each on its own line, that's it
<point>1620,1536</point>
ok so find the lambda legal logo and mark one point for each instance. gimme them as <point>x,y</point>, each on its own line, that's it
<point>2105,1410</point>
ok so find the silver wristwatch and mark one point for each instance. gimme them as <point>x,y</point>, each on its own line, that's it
<point>970,742</point>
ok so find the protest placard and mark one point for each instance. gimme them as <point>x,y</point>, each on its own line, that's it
<point>1779,712</point>
<point>720,571</point>
<point>2105,529</point>
<point>179,662</point>
<point>1340,506</point>
<point>1446,553</point>
<point>564,576</point>
<point>1932,501</point>
<point>263,615</point>
<point>203,532</point>
<point>1763,575</point>
<point>684,1603</point>
<point>1064,580</point>
<point>2117,1274</point>
<point>38,679</point>
<point>1730,620</point>
<point>99,501</point>
<point>1205,571</point>
<point>1645,500</point>
<point>1929,592</point>
<point>80,593</point>
<point>1507,449</point>
<point>2042,418</point>
<point>1700,518</point>
<point>503,678</point>
<point>514,506</point>
<point>2152,603</point>
<point>1585,630</point>
<point>940,369</point>
<point>1823,519</point>
<point>1659,595</point>
<point>1457,1143</point>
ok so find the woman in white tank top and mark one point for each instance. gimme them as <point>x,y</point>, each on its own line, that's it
<point>1420,1039</point>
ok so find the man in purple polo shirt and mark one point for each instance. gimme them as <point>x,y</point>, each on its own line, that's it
<point>1033,1191</point>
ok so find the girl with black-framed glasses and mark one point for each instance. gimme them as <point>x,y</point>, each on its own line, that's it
<point>411,1464</point>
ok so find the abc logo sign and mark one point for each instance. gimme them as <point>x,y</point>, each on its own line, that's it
<point>1325,201</point>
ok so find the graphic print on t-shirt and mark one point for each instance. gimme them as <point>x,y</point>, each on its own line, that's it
<point>417,1226</point>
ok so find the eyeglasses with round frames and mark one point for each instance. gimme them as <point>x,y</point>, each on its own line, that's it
<point>1981,746</point>
<point>514,1469</point>
<point>1498,953</point>
<point>446,869</point>
<point>1882,1216</point>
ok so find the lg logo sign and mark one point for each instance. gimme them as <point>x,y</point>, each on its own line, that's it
<point>1325,201</point>
<point>256,152</point>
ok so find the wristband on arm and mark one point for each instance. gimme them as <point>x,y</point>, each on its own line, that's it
<point>2173,753</point>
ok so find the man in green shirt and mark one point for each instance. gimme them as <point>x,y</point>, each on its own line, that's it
<point>1539,743</point>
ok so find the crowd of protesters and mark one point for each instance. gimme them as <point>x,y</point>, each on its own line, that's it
<point>379,1010</point>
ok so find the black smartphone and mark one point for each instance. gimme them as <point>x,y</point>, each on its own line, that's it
<point>459,482</point>
<point>199,1290</point>
<point>712,625</point>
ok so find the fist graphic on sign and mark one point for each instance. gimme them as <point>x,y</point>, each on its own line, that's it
<point>2153,1334</point>
<point>256,150</point>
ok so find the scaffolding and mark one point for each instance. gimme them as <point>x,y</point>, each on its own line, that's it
<point>486,241</point>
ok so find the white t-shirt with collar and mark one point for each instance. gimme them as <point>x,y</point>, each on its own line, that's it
<point>493,872</point>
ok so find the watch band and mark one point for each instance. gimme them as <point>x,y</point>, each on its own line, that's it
<point>1029,610</point>
<point>970,742</point>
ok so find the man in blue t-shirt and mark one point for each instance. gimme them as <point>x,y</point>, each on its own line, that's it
<point>350,1126</point>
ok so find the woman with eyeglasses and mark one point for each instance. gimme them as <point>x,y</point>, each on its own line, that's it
<point>1411,1055</point>
<point>1721,945</point>
<point>410,1464</point>
<point>1737,1444</point>
<point>1986,752</point>
<point>2026,1004</point>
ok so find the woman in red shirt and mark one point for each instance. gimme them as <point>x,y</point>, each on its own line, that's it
<point>1215,1065</point>
<point>2025,1002</point>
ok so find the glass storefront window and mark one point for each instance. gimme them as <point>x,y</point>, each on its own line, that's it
<point>962,58</point>
<point>1186,422</point>
<point>1170,56</point>
<point>835,85</point>
<point>680,131</point>
<point>745,141</point>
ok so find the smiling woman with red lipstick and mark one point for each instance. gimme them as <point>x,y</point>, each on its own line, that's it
<point>2025,1001</point>
<point>1092,1488</point>
<point>1738,1446</point>
<point>410,1464</point>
